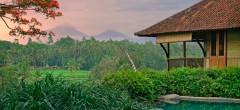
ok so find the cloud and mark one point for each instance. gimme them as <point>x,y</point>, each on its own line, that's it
<point>128,16</point>
<point>124,5</point>
<point>152,5</point>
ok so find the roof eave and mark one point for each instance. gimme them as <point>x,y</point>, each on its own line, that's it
<point>142,34</point>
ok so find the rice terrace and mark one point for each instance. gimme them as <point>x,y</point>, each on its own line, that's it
<point>119,55</point>
<point>75,76</point>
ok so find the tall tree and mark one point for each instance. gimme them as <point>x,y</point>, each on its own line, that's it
<point>17,10</point>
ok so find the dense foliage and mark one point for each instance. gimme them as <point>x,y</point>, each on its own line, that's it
<point>13,74</point>
<point>51,94</point>
<point>138,84</point>
<point>86,54</point>
<point>183,81</point>
<point>7,76</point>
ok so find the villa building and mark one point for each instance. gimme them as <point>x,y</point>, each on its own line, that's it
<point>213,24</point>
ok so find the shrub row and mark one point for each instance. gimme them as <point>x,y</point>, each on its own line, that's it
<point>137,83</point>
<point>183,81</point>
<point>51,93</point>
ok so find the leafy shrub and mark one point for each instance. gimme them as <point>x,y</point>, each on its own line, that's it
<point>228,83</point>
<point>124,67</point>
<point>8,76</point>
<point>57,94</point>
<point>183,81</point>
<point>13,74</point>
<point>186,81</point>
<point>107,65</point>
<point>136,83</point>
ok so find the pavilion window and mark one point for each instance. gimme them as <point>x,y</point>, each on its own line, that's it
<point>221,43</point>
<point>213,44</point>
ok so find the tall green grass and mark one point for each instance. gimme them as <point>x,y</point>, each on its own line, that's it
<point>56,94</point>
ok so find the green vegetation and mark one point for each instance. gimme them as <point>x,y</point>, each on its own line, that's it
<point>13,74</point>
<point>54,93</point>
<point>68,75</point>
<point>138,84</point>
<point>8,76</point>
<point>107,62</point>
<point>183,81</point>
<point>71,54</point>
<point>98,57</point>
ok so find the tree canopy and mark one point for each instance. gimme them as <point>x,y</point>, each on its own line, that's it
<point>91,54</point>
<point>16,11</point>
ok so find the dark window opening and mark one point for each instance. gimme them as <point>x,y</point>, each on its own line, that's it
<point>213,44</point>
<point>221,43</point>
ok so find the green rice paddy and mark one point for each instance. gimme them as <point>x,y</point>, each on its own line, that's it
<point>73,76</point>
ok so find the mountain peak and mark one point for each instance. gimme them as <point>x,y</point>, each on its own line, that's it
<point>67,30</point>
<point>111,34</point>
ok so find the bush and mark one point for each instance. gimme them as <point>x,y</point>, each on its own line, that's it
<point>183,81</point>
<point>8,75</point>
<point>107,65</point>
<point>13,74</point>
<point>228,83</point>
<point>57,94</point>
<point>137,84</point>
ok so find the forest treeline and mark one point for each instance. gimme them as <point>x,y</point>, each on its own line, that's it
<point>90,53</point>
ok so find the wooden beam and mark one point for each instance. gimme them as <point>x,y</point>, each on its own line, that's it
<point>201,46</point>
<point>168,46</point>
<point>168,64</point>
<point>165,50</point>
<point>184,53</point>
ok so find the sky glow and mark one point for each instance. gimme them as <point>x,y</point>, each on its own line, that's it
<point>95,16</point>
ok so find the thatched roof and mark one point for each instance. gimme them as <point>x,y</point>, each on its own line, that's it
<point>205,15</point>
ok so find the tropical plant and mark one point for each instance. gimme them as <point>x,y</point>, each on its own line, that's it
<point>106,65</point>
<point>139,85</point>
<point>73,65</point>
<point>89,53</point>
<point>51,93</point>
<point>183,81</point>
<point>8,76</point>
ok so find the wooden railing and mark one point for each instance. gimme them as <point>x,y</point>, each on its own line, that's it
<point>185,62</point>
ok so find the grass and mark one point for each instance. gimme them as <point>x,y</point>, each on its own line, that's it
<point>73,76</point>
<point>57,94</point>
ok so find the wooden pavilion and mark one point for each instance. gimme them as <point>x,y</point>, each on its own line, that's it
<point>213,24</point>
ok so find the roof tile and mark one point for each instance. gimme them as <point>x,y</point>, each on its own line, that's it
<point>205,15</point>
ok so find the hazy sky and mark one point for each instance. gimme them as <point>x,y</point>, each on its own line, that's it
<point>126,16</point>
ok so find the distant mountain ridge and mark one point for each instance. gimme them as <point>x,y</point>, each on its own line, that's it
<point>64,31</point>
<point>71,31</point>
<point>110,34</point>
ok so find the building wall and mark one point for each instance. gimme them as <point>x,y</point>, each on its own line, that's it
<point>233,48</point>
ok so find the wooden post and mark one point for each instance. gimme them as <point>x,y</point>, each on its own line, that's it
<point>168,50</point>
<point>202,48</point>
<point>165,50</point>
<point>184,54</point>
